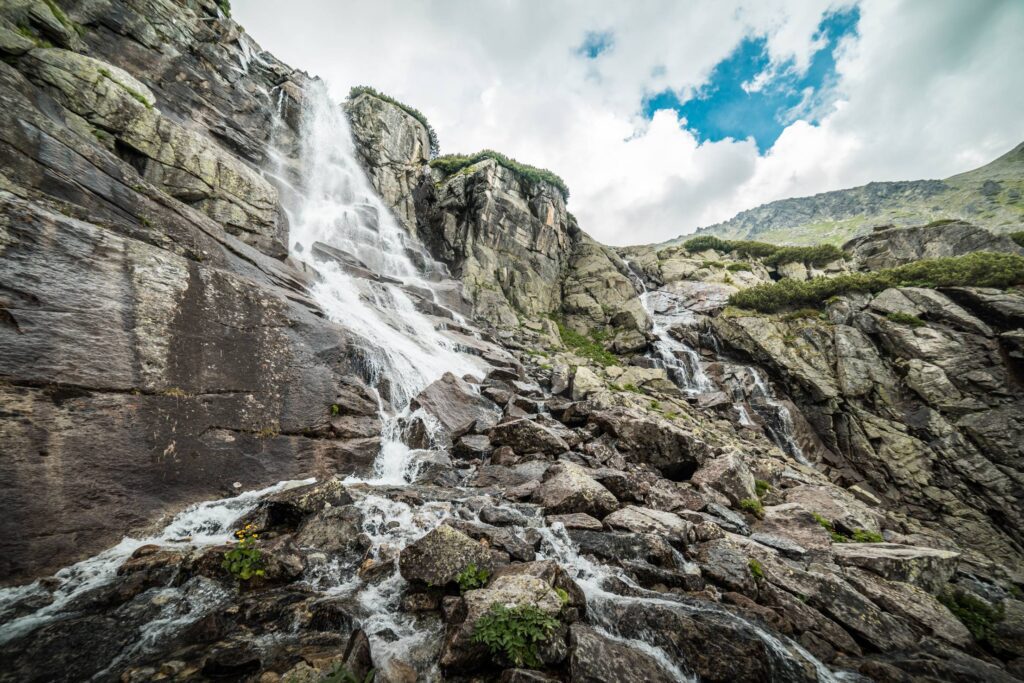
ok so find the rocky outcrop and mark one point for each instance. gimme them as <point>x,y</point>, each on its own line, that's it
<point>925,415</point>
<point>155,351</point>
<point>887,246</point>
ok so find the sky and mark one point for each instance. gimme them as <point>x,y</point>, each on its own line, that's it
<point>663,116</point>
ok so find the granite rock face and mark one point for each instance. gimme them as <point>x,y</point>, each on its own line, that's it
<point>155,350</point>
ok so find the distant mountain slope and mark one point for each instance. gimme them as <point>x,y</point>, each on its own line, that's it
<point>990,196</point>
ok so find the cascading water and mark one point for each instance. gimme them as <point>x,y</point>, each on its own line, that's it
<point>682,363</point>
<point>367,283</point>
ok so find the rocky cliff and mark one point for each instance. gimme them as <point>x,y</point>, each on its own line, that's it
<point>537,458</point>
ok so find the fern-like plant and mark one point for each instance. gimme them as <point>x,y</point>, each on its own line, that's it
<point>517,633</point>
<point>472,577</point>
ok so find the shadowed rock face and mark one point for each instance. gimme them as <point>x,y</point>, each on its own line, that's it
<point>150,356</point>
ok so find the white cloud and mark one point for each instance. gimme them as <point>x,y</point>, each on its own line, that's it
<point>931,88</point>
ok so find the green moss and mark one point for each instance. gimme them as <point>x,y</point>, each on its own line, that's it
<point>753,506</point>
<point>980,269</point>
<point>450,164</point>
<point>756,570</point>
<point>978,616</point>
<point>587,347</point>
<point>435,146</point>
<point>905,319</point>
<point>830,528</point>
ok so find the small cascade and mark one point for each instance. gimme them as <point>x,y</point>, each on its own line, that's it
<point>751,388</point>
<point>682,363</point>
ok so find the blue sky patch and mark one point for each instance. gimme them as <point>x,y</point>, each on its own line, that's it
<point>743,98</point>
<point>594,43</point>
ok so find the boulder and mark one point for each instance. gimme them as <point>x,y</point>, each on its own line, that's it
<point>645,520</point>
<point>728,475</point>
<point>596,658</point>
<point>528,436</point>
<point>441,555</point>
<point>927,568</point>
<point>576,520</point>
<point>454,403</point>
<point>568,488</point>
<point>585,383</point>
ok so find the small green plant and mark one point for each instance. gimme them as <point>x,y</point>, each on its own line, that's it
<point>830,528</point>
<point>341,674</point>
<point>756,570</point>
<point>244,560</point>
<point>225,7</point>
<point>631,387</point>
<point>655,405</point>
<point>472,577</point>
<point>1018,237</point>
<point>515,632</point>
<point>176,392</point>
<point>977,615</point>
<point>335,409</point>
<point>753,506</point>
<point>865,536</point>
<point>563,596</point>
<point>761,487</point>
<point>904,319</point>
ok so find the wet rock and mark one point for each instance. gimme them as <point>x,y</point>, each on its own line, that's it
<point>726,565</point>
<point>568,488</point>
<point>615,546</point>
<point>438,557</point>
<point>528,436</point>
<point>927,568</point>
<point>560,378</point>
<point>576,520</point>
<point>472,447</point>
<point>498,538</point>
<point>525,676</point>
<point>454,403</point>
<point>502,516</point>
<point>595,658</point>
<point>336,530</point>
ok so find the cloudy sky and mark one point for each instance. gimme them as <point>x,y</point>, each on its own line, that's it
<point>663,116</point>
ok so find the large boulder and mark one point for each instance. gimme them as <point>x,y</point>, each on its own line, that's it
<point>455,404</point>
<point>727,474</point>
<point>645,521</point>
<point>438,557</point>
<point>527,436</point>
<point>568,488</point>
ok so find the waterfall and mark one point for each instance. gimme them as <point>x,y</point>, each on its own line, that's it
<point>682,363</point>
<point>368,274</point>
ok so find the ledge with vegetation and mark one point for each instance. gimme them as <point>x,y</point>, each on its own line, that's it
<point>357,90</point>
<point>980,269</point>
<point>450,164</point>
<point>770,254</point>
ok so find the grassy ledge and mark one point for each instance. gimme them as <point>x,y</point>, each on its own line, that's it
<point>450,164</point>
<point>980,269</point>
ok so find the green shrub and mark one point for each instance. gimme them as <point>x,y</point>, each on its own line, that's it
<point>762,487</point>
<point>587,347</point>
<point>1018,237</point>
<point>813,256</point>
<point>472,577</point>
<point>738,266</point>
<point>515,632</point>
<point>225,7</point>
<point>435,146</point>
<point>977,615</point>
<point>802,313</point>
<point>904,319</point>
<point>980,269</point>
<point>244,560</point>
<point>756,570</point>
<point>753,506</point>
<point>450,164</point>
<point>335,409</point>
<point>772,254</point>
